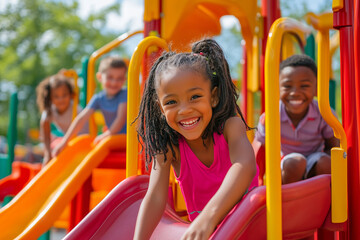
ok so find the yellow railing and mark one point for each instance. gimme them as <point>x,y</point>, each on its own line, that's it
<point>91,84</point>
<point>72,74</point>
<point>134,101</point>
<point>338,154</point>
<point>272,123</point>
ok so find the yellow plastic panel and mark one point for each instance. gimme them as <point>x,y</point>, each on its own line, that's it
<point>320,22</point>
<point>337,5</point>
<point>338,185</point>
<point>151,10</point>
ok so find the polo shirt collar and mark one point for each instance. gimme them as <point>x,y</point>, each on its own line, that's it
<point>310,115</point>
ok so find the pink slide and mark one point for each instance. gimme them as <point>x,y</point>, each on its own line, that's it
<point>306,206</point>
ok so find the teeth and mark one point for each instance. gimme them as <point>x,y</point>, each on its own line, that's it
<point>295,102</point>
<point>189,123</point>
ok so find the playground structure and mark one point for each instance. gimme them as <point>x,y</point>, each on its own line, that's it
<point>248,219</point>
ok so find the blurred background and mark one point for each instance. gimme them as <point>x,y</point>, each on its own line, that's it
<point>40,37</point>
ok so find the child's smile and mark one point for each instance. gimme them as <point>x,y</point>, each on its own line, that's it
<point>113,80</point>
<point>297,90</point>
<point>189,123</point>
<point>61,98</point>
<point>185,99</point>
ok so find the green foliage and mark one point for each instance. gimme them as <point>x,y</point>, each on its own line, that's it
<point>37,39</point>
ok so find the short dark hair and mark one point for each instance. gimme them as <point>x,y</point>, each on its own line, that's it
<point>299,60</point>
<point>111,62</point>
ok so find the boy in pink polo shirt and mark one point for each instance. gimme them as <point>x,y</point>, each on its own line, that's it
<point>306,139</point>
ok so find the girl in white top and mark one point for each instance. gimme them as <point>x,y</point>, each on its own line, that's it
<point>54,98</point>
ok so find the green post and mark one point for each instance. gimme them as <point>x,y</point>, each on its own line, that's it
<point>310,46</point>
<point>4,165</point>
<point>45,236</point>
<point>12,133</point>
<point>332,93</point>
<point>83,74</point>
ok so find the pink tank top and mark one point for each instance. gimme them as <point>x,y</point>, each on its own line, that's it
<point>198,182</point>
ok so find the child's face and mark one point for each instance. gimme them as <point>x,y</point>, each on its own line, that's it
<point>61,98</point>
<point>297,90</point>
<point>112,80</point>
<point>186,100</point>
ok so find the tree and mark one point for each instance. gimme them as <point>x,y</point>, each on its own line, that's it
<point>39,37</point>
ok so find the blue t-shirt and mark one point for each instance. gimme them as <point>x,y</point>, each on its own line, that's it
<point>108,106</point>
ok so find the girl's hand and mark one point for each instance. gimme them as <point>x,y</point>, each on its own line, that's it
<point>46,159</point>
<point>101,137</point>
<point>200,229</point>
<point>58,149</point>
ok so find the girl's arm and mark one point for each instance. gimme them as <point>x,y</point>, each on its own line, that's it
<point>234,185</point>
<point>46,136</point>
<point>117,125</point>
<point>74,128</point>
<point>153,205</point>
<point>330,143</point>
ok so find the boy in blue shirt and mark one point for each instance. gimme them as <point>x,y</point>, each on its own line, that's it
<point>111,101</point>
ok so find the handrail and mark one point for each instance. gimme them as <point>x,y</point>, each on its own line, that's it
<point>320,22</point>
<point>91,67</point>
<point>134,101</point>
<point>73,74</point>
<point>272,122</point>
<point>339,193</point>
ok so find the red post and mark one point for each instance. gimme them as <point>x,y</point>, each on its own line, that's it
<point>355,215</point>
<point>270,10</point>
<point>343,21</point>
<point>80,205</point>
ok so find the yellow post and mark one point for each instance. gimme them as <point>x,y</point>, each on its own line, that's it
<point>338,155</point>
<point>91,69</point>
<point>134,101</point>
<point>72,74</point>
<point>288,46</point>
<point>272,122</point>
<point>323,23</point>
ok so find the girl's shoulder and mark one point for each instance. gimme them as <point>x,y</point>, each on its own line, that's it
<point>234,126</point>
<point>45,116</point>
<point>171,157</point>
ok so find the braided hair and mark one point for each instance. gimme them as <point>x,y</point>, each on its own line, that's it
<point>43,90</point>
<point>207,58</point>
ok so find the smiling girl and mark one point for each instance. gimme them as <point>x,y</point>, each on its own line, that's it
<point>189,120</point>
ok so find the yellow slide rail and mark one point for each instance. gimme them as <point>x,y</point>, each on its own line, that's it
<point>134,101</point>
<point>272,122</point>
<point>91,68</point>
<point>338,154</point>
<point>72,74</point>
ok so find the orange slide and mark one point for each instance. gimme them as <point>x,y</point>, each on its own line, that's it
<point>35,209</point>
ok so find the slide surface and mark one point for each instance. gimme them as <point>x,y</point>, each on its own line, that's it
<point>306,205</point>
<point>39,204</point>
